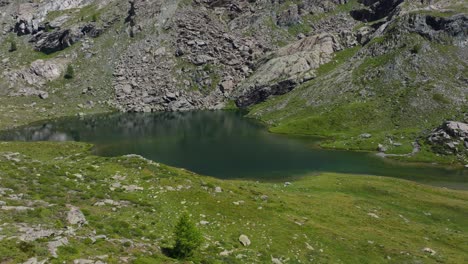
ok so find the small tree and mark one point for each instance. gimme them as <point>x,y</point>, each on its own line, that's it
<point>70,72</point>
<point>188,238</point>
<point>13,46</point>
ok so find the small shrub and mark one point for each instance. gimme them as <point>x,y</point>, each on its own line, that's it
<point>440,98</point>
<point>47,28</point>
<point>26,247</point>
<point>12,46</point>
<point>94,18</point>
<point>70,72</point>
<point>188,238</point>
<point>416,49</point>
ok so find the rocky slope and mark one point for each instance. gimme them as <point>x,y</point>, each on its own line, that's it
<point>318,66</point>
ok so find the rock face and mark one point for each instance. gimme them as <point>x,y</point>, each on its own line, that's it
<point>29,16</point>
<point>290,66</point>
<point>450,138</point>
<point>50,42</point>
<point>375,9</point>
<point>36,76</point>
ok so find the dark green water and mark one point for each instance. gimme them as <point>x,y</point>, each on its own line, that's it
<point>224,145</point>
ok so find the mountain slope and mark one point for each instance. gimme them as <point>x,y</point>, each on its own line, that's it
<point>326,67</point>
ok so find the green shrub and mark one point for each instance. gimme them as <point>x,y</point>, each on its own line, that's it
<point>12,46</point>
<point>440,98</point>
<point>188,238</point>
<point>416,49</point>
<point>70,72</point>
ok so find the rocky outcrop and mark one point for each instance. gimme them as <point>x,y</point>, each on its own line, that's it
<point>453,30</point>
<point>50,42</point>
<point>29,16</point>
<point>290,66</point>
<point>36,76</point>
<point>375,9</point>
<point>450,138</point>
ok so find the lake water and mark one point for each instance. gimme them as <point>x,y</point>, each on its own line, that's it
<point>224,145</point>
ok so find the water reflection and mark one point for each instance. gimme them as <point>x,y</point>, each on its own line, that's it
<point>224,145</point>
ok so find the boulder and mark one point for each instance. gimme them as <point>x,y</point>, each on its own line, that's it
<point>76,217</point>
<point>449,138</point>
<point>244,240</point>
<point>381,148</point>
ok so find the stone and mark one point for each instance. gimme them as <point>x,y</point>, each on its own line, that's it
<point>218,189</point>
<point>244,240</point>
<point>429,250</point>
<point>238,202</point>
<point>449,138</point>
<point>35,261</point>
<point>365,135</point>
<point>381,148</point>
<point>43,95</point>
<point>373,215</point>
<point>275,260</point>
<point>227,86</point>
<point>225,253</point>
<point>35,233</point>
<point>132,188</point>
<point>127,89</point>
<point>17,208</point>
<point>83,261</point>
<point>76,217</point>
<point>54,245</point>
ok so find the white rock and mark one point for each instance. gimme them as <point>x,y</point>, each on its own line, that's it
<point>276,261</point>
<point>16,208</point>
<point>83,261</point>
<point>429,250</point>
<point>238,202</point>
<point>245,241</point>
<point>225,253</point>
<point>373,215</point>
<point>35,261</point>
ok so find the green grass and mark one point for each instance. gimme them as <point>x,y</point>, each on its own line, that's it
<point>340,57</point>
<point>322,218</point>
